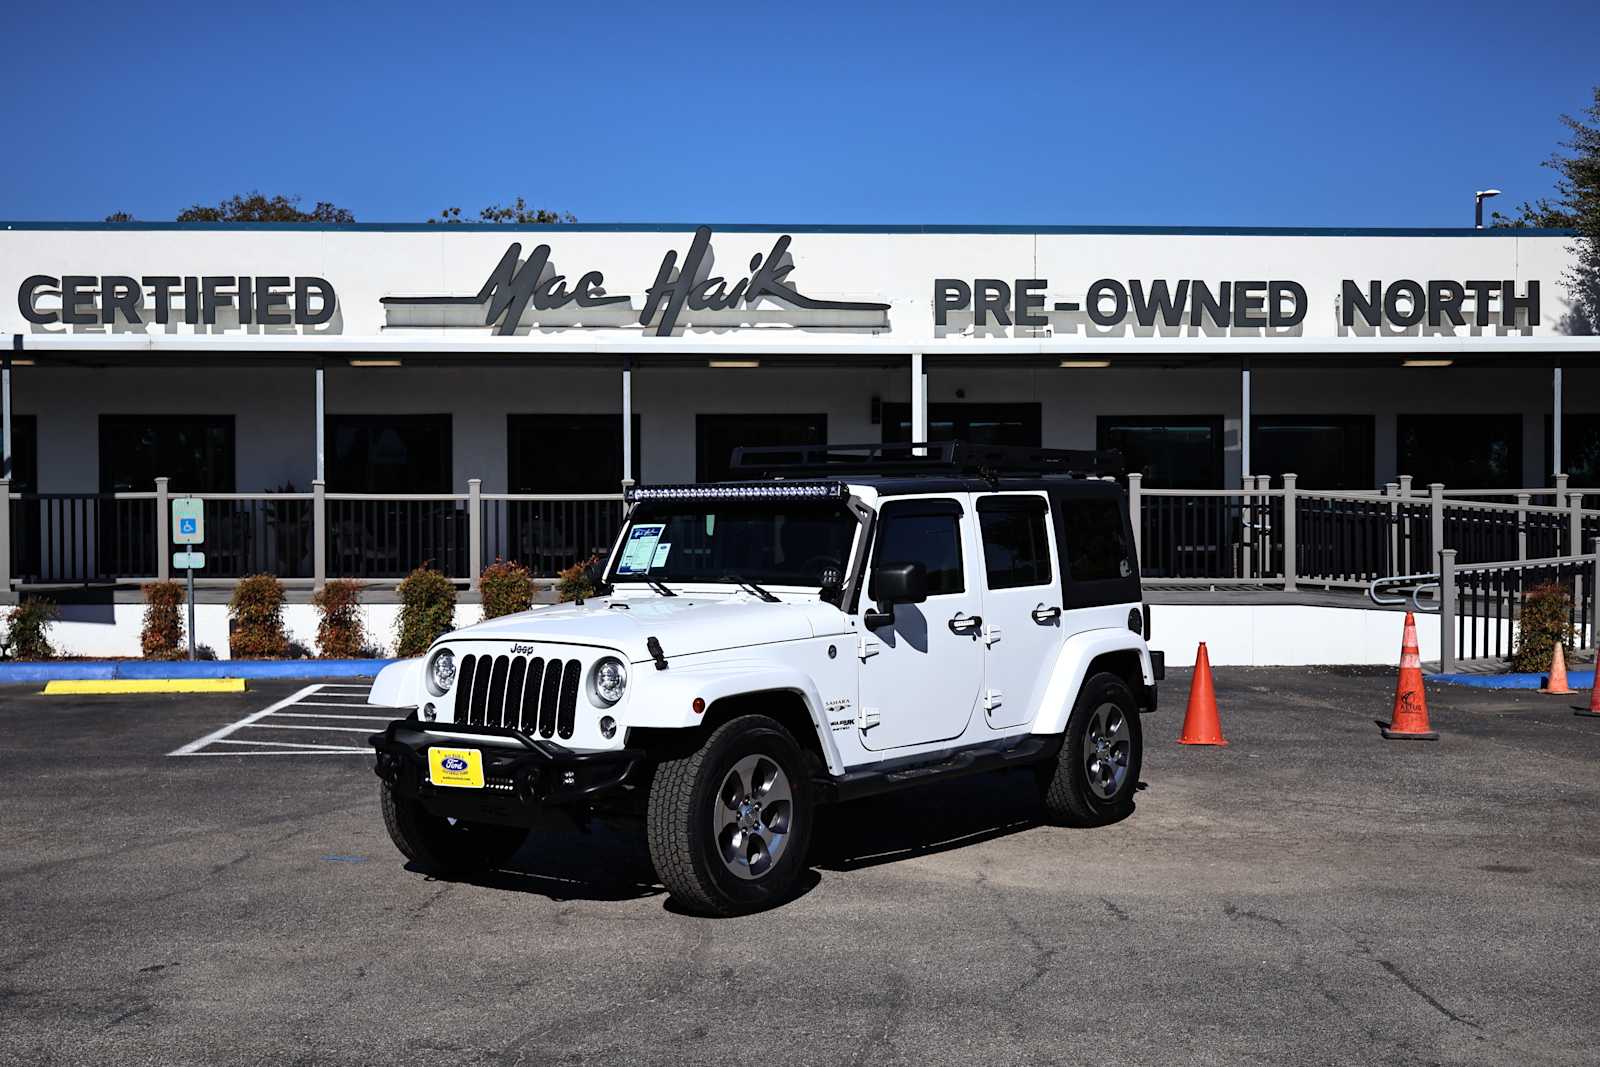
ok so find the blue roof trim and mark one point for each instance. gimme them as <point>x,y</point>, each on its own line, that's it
<point>685,227</point>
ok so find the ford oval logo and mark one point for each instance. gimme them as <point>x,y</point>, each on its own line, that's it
<point>454,764</point>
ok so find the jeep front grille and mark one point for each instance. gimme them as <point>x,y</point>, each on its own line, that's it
<point>524,693</point>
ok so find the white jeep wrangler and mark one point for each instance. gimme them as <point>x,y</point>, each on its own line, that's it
<point>855,620</point>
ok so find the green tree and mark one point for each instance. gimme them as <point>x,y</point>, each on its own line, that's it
<point>257,207</point>
<point>1576,206</point>
<point>517,212</point>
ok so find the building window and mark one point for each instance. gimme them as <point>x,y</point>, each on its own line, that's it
<point>1461,451</point>
<point>24,471</point>
<point>388,453</point>
<point>979,424</point>
<point>1580,448</point>
<point>1016,546</point>
<point>1325,451</point>
<point>194,451</point>
<point>1171,451</point>
<point>716,436</point>
<point>567,453</point>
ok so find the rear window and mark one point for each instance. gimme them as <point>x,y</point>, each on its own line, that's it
<point>1016,547</point>
<point>1094,548</point>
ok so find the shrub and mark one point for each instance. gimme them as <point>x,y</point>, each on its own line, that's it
<point>28,629</point>
<point>507,588</point>
<point>340,634</point>
<point>162,635</point>
<point>573,583</point>
<point>256,612</point>
<point>427,609</point>
<point>1546,622</point>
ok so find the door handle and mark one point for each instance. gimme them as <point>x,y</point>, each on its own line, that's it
<point>1044,616</point>
<point>965,624</point>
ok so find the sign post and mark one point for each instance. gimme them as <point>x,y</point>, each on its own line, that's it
<point>189,528</point>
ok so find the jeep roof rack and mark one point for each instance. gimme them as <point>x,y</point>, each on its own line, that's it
<point>926,458</point>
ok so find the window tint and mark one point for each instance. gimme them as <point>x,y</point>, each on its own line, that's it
<point>928,533</point>
<point>1094,546</point>
<point>1016,549</point>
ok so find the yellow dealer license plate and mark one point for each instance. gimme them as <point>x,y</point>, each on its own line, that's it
<point>461,767</point>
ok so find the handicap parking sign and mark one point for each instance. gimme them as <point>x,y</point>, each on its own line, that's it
<point>188,520</point>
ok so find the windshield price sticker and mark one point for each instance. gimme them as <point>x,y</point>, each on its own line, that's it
<point>640,552</point>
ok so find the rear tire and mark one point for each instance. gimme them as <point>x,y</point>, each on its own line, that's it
<point>446,847</point>
<point>1092,780</point>
<point>729,823</point>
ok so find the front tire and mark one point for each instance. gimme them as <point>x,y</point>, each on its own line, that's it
<point>1092,780</point>
<point>729,823</point>
<point>443,846</point>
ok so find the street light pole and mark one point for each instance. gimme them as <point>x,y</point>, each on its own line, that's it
<point>1477,205</point>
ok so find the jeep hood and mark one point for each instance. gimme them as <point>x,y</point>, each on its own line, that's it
<point>684,624</point>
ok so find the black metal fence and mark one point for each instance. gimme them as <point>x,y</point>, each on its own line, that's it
<point>547,536</point>
<point>1484,604</point>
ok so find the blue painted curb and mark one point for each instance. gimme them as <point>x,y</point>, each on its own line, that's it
<point>1575,680</point>
<point>216,668</point>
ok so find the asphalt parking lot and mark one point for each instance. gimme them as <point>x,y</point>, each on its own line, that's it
<point>1309,894</point>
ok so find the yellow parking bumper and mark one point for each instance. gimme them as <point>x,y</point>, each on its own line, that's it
<point>114,686</point>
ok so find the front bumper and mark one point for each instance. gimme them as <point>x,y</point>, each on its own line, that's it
<point>520,778</point>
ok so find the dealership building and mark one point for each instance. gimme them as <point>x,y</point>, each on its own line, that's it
<point>568,360</point>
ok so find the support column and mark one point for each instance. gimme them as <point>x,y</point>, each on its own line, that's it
<point>627,423</point>
<point>163,529</point>
<point>322,429</point>
<point>1447,611</point>
<point>1290,534</point>
<point>919,400</point>
<point>474,531</point>
<point>5,408</point>
<point>1555,422</point>
<point>1244,419</point>
<point>319,534</point>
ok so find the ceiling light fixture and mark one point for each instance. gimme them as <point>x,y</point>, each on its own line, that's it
<point>1427,363</point>
<point>729,363</point>
<point>1086,363</point>
<point>375,363</point>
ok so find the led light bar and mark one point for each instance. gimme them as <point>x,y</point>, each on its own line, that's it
<point>742,491</point>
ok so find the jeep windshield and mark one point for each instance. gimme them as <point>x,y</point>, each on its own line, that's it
<point>760,542</point>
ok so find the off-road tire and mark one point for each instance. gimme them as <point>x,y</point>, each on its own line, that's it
<point>1065,782</point>
<point>442,847</point>
<point>684,802</point>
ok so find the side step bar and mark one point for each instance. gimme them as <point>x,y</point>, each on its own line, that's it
<point>1033,748</point>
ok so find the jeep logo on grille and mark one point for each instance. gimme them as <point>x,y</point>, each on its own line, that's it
<point>521,650</point>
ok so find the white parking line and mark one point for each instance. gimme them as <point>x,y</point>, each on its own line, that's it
<point>357,717</point>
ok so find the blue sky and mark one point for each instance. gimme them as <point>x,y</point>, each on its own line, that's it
<point>1189,114</point>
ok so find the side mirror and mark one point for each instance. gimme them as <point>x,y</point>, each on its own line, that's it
<point>895,583</point>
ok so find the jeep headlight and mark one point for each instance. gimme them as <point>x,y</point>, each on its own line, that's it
<point>607,681</point>
<point>440,673</point>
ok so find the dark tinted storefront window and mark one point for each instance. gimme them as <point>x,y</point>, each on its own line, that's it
<point>982,424</point>
<point>716,436</point>
<point>1580,449</point>
<point>194,451</point>
<point>24,454</point>
<point>567,453</point>
<point>388,453</point>
<point>1326,451</point>
<point>1171,451</point>
<point>1461,451</point>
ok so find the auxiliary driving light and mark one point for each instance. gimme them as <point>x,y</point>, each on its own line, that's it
<point>608,727</point>
<point>429,713</point>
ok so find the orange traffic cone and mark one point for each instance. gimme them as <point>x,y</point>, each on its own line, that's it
<point>1410,719</point>
<point>1200,724</point>
<point>1594,694</point>
<point>1557,684</point>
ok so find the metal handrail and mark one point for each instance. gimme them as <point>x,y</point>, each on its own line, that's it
<point>1416,583</point>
